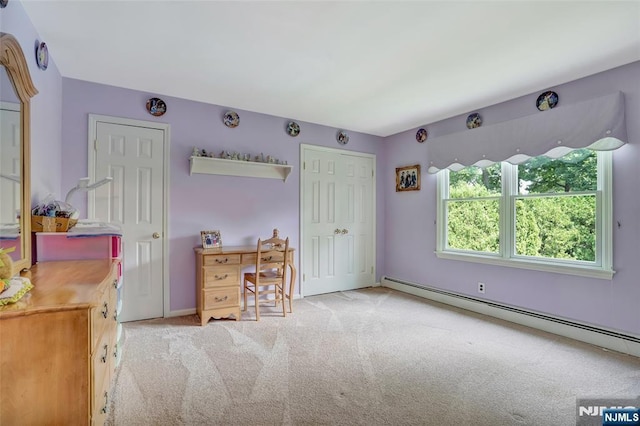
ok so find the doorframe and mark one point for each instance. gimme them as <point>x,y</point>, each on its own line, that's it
<point>303,148</point>
<point>94,119</point>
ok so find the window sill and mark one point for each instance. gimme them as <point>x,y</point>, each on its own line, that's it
<point>582,271</point>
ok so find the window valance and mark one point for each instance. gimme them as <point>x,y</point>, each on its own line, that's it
<point>597,124</point>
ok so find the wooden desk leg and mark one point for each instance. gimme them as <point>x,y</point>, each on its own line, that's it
<point>292,285</point>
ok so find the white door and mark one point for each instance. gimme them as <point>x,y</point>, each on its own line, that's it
<point>338,219</point>
<point>134,156</point>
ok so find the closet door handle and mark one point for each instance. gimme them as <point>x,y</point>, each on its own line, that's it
<point>337,231</point>
<point>345,231</point>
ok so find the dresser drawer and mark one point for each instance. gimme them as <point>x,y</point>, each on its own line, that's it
<point>100,360</point>
<point>100,402</point>
<point>219,298</point>
<point>101,318</point>
<point>221,276</point>
<point>221,259</point>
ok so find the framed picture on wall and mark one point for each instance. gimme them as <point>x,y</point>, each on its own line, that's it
<point>408,178</point>
<point>211,239</point>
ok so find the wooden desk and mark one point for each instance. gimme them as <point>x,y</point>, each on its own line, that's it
<point>219,279</point>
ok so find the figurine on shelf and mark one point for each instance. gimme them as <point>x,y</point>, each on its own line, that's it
<point>195,152</point>
<point>260,158</point>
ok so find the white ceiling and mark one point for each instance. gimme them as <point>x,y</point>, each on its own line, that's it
<point>375,67</point>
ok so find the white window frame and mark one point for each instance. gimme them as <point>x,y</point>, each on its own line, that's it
<point>602,268</point>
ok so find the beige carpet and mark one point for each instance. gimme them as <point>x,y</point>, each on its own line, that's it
<point>366,357</point>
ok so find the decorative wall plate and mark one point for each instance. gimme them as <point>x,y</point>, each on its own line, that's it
<point>293,129</point>
<point>42,56</point>
<point>156,107</point>
<point>231,119</point>
<point>342,138</point>
<point>474,120</point>
<point>3,3</point>
<point>547,100</point>
<point>421,135</point>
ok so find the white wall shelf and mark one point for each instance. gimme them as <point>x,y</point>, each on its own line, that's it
<point>220,166</point>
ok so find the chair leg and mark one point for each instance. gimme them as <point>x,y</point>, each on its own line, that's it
<point>244,307</point>
<point>256,295</point>
<point>284,305</point>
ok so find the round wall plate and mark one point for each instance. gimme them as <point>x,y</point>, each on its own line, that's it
<point>156,107</point>
<point>342,138</point>
<point>474,120</point>
<point>42,56</point>
<point>293,129</point>
<point>231,119</point>
<point>547,100</point>
<point>421,135</point>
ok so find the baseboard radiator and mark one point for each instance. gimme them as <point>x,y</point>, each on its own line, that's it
<point>609,339</point>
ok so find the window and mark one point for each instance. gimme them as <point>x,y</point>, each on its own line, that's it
<point>544,214</point>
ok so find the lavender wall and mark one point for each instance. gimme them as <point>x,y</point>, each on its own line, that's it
<point>609,304</point>
<point>46,106</point>
<point>242,208</point>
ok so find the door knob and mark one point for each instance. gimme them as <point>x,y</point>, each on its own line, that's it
<point>337,231</point>
<point>345,231</point>
<point>156,235</point>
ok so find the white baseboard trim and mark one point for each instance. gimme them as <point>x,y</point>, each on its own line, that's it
<point>181,313</point>
<point>609,339</point>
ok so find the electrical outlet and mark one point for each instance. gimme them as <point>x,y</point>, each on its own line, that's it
<point>481,288</point>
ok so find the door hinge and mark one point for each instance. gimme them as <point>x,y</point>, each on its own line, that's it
<point>304,165</point>
<point>372,269</point>
<point>95,145</point>
<point>304,277</point>
<point>372,173</point>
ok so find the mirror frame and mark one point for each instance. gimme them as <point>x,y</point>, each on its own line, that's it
<point>13,59</point>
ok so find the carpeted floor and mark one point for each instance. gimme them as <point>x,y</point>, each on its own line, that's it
<point>367,357</point>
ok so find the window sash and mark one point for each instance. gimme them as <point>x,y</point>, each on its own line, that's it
<point>602,266</point>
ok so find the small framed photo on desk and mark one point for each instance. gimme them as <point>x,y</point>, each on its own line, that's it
<point>211,239</point>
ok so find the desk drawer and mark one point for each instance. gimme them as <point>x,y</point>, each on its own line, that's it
<point>221,259</point>
<point>250,258</point>
<point>219,298</point>
<point>220,276</point>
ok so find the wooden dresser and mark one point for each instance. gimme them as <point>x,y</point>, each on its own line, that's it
<point>58,345</point>
<point>219,278</point>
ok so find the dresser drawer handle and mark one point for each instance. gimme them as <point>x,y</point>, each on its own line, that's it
<point>226,259</point>
<point>266,259</point>
<point>103,358</point>
<point>115,351</point>
<point>105,310</point>
<point>221,277</point>
<point>220,299</point>
<point>106,403</point>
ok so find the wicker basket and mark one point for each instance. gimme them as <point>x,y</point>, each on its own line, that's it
<point>51,224</point>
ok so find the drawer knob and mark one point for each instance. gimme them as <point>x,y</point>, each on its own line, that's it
<point>115,283</point>
<point>221,277</point>
<point>105,310</point>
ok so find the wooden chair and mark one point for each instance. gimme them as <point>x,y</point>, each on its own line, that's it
<point>270,276</point>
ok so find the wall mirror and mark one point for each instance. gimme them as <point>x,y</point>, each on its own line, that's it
<point>16,91</point>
